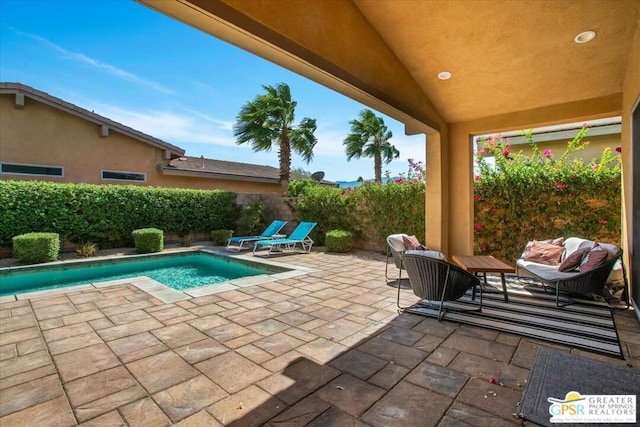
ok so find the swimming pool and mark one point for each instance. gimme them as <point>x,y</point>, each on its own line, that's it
<point>180,271</point>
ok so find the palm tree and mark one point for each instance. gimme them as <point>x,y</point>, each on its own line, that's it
<point>370,137</point>
<point>268,120</point>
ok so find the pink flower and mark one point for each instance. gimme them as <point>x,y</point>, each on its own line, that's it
<point>483,248</point>
<point>561,186</point>
<point>492,380</point>
<point>506,153</point>
<point>603,221</point>
<point>586,125</point>
<point>547,153</point>
<point>399,180</point>
<point>477,178</point>
<point>619,149</point>
<point>477,226</point>
<point>478,197</point>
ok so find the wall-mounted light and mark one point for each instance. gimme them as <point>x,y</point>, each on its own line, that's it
<point>444,75</point>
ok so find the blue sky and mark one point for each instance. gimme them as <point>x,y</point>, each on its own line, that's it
<point>138,67</point>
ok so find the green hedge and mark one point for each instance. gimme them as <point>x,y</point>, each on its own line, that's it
<point>383,209</point>
<point>339,241</point>
<point>148,240</point>
<point>391,208</point>
<point>107,214</point>
<point>329,208</point>
<point>32,248</point>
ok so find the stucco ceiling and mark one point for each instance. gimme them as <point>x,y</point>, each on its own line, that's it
<point>505,56</point>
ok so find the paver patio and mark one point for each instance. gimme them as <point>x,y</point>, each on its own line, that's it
<point>324,348</point>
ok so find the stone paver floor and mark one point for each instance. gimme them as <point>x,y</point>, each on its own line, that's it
<point>325,348</point>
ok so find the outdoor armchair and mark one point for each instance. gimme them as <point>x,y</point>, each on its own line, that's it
<point>396,247</point>
<point>236,244</point>
<point>435,281</point>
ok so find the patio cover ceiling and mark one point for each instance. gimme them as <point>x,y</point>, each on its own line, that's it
<point>504,56</point>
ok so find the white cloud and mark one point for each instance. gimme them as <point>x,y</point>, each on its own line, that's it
<point>174,128</point>
<point>110,69</point>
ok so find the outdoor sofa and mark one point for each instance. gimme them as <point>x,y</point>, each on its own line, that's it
<point>573,265</point>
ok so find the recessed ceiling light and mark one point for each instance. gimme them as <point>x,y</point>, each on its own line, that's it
<point>585,36</point>
<point>444,75</point>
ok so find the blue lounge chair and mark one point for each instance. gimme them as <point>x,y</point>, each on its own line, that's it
<point>299,235</point>
<point>236,244</point>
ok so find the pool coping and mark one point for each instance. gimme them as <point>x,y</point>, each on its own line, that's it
<point>165,293</point>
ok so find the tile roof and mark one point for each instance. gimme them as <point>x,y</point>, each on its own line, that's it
<point>229,170</point>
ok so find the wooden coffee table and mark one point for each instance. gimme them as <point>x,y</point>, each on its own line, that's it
<point>485,264</point>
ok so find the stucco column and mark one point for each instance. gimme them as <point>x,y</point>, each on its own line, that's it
<point>459,176</point>
<point>436,203</point>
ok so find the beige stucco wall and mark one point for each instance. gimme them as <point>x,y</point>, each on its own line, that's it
<point>44,135</point>
<point>40,134</point>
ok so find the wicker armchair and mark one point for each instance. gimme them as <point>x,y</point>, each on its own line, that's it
<point>436,281</point>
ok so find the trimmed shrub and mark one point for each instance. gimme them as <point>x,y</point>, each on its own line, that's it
<point>148,240</point>
<point>339,241</point>
<point>220,237</point>
<point>32,248</point>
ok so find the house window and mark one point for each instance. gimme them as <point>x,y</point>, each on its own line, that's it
<point>38,170</point>
<point>124,176</point>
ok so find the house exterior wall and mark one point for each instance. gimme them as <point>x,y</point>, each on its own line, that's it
<point>597,144</point>
<point>40,134</point>
<point>217,184</point>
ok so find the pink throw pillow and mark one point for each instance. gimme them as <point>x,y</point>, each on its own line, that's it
<point>543,253</point>
<point>573,261</point>
<point>595,258</point>
<point>411,243</point>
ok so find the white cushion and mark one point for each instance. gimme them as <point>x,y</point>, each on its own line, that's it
<point>428,254</point>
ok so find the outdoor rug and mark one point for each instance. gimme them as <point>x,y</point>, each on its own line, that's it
<point>565,378</point>
<point>531,312</point>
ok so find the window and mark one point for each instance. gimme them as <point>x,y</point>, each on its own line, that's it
<point>40,170</point>
<point>124,176</point>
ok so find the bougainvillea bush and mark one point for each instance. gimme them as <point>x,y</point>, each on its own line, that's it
<point>543,196</point>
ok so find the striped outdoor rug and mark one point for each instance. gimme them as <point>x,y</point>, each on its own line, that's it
<point>532,313</point>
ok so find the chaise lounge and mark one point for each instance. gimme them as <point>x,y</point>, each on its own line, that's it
<point>236,244</point>
<point>299,236</point>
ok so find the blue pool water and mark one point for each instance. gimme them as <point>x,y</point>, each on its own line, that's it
<point>179,271</point>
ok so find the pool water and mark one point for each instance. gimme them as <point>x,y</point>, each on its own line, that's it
<point>179,271</point>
